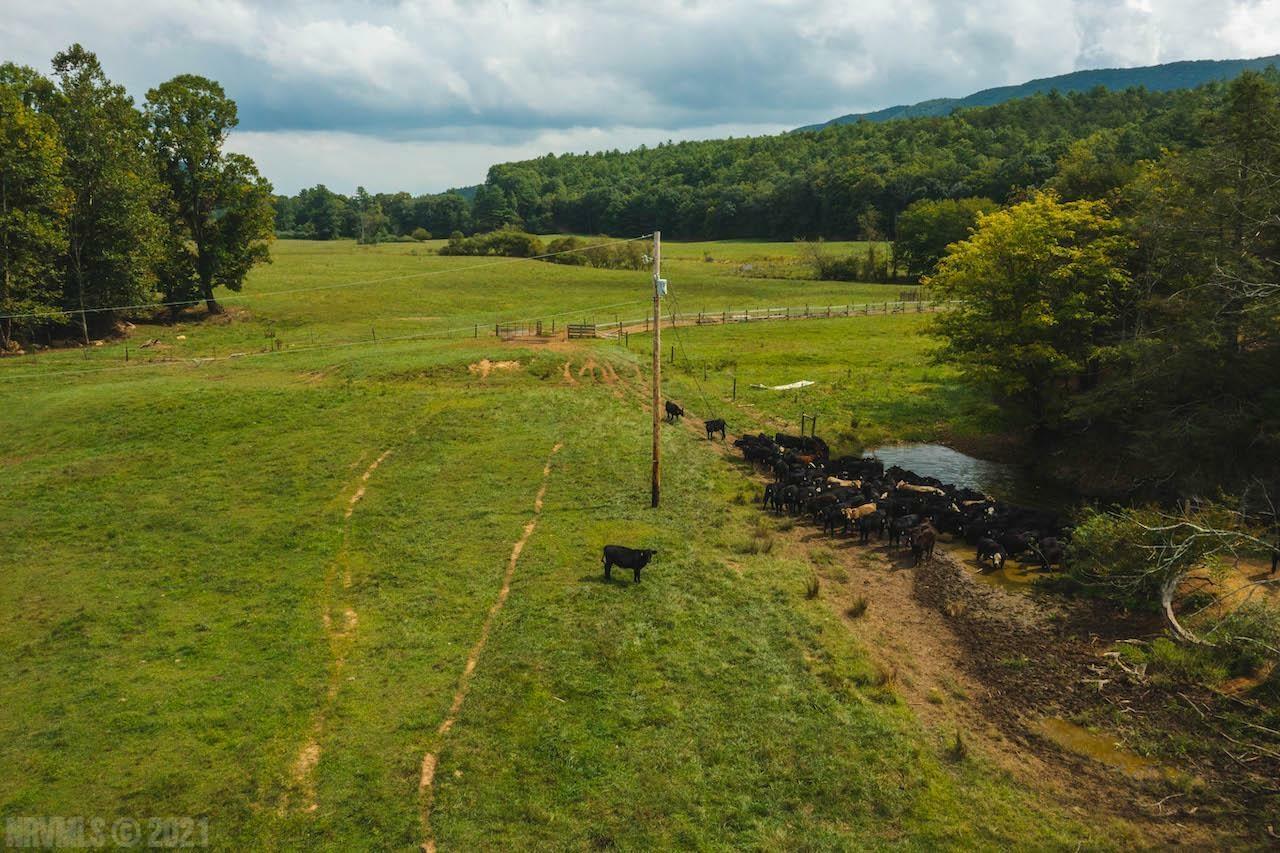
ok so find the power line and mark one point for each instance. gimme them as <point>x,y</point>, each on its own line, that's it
<point>675,325</point>
<point>48,315</point>
<point>202,360</point>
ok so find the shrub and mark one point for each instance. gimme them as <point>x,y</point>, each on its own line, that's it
<point>506,242</point>
<point>858,608</point>
<point>420,234</point>
<point>601,253</point>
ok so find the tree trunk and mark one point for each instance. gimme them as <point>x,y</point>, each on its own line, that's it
<point>206,289</point>
<point>6,325</point>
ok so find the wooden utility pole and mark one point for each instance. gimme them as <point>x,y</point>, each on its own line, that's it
<point>657,366</point>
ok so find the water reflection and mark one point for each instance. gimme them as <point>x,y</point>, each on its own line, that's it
<point>1003,481</point>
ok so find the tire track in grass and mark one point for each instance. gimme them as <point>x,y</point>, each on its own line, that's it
<point>339,633</point>
<point>426,781</point>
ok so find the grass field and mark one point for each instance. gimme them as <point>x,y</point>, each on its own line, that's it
<point>874,380</point>
<point>217,606</point>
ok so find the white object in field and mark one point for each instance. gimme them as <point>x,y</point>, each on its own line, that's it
<point>662,287</point>
<point>803,383</point>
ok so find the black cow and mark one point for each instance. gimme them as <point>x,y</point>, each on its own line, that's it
<point>990,549</point>
<point>626,558</point>
<point>871,523</point>
<point>715,426</point>
<point>1050,551</point>
<point>922,542</point>
<point>900,527</point>
<point>674,411</point>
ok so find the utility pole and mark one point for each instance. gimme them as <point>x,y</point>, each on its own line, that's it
<point>657,365</point>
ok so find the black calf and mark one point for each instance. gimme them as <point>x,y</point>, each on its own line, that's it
<point>674,411</point>
<point>715,426</point>
<point>626,558</point>
<point>990,549</point>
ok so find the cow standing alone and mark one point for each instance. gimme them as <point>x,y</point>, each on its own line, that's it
<point>626,558</point>
<point>674,411</point>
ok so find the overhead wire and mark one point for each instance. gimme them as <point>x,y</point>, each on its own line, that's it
<point>200,360</point>
<point>675,326</point>
<point>241,296</point>
<point>302,348</point>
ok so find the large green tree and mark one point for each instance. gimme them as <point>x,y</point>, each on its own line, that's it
<point>1191,391</point>
<point>1040,286</point>
<point>927,227</point>
<point>33,206</point>
<point>115,233</point>
<point>223,206</point>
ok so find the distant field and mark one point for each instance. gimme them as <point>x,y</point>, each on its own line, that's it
<point>218,606</point>
<point>353,293</point>
<point>874,380</point>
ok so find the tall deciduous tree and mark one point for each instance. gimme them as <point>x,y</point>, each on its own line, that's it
<point>114,234</point>
<point>1040,286</point>
<point>223,205</point>
<point>927,227</point>
<point>33,207</point>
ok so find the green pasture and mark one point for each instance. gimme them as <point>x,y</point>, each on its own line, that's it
<point>328,293</point>
<point>177,532</point>
<point>874,379</point>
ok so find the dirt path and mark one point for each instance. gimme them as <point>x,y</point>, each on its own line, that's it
<point>426,781</point>
<point>340,621</point>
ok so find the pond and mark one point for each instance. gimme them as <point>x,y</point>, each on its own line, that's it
<point>1006,482</point>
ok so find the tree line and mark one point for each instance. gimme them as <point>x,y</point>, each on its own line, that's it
<point>1127,315</point>
<point>106,204</point>
<point>319,213</point>
<point>822,184</point>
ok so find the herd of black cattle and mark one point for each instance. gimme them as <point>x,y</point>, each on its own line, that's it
<point>858,494</point>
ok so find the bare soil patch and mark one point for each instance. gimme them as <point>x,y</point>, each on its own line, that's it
<point>484,367</point>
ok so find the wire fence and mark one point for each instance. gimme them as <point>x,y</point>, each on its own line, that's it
<point>757,315</point>
<point>124,355</point>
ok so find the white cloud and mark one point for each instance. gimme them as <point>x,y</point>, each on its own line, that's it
<point>343,161</point>
<point>510,74</point>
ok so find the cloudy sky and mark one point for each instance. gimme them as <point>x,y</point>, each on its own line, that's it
<point>422,95</point>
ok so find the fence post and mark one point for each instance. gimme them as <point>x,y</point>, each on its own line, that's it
<point>126,353</point>
<point>735,388</point>
<point>375,334</point>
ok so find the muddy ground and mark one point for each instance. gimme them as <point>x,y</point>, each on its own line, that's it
<point>1010,671</point>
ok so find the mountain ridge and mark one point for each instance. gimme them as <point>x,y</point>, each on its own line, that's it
<point>1184,74</point>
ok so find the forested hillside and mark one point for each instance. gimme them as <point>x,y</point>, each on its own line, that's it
<point>1156,78</point>
<point>818,184</point>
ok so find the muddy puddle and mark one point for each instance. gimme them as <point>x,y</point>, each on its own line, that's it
<point>1101,748</point>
